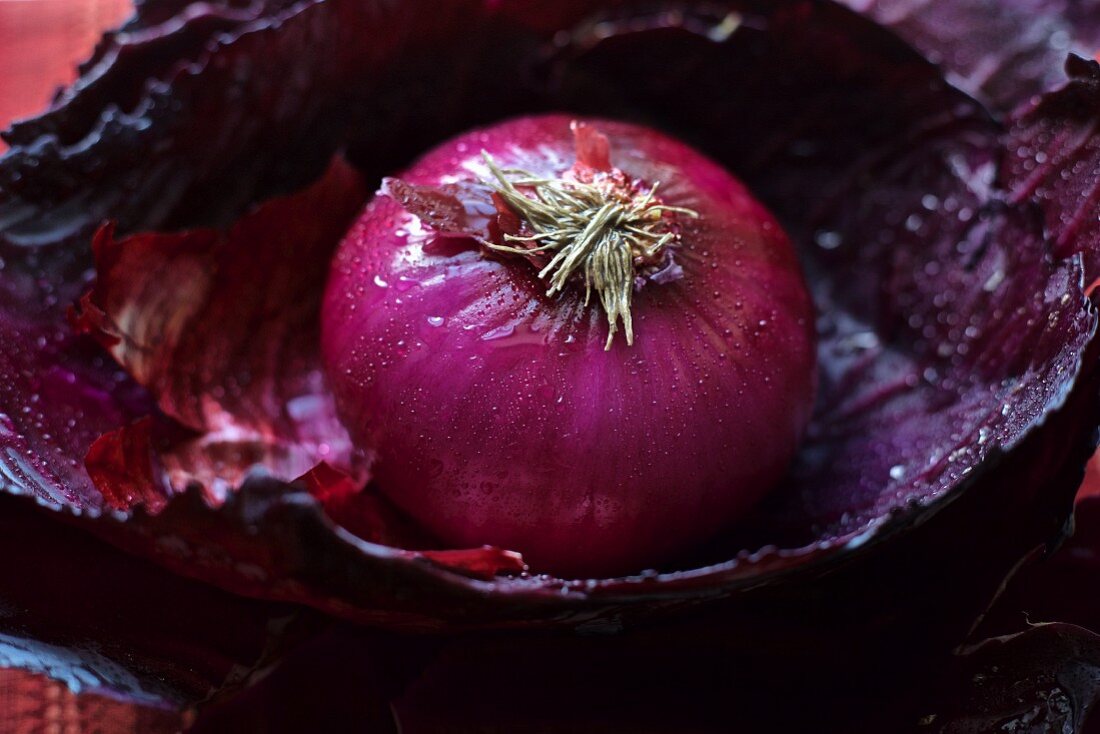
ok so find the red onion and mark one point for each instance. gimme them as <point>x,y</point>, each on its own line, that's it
<point>596,438</point>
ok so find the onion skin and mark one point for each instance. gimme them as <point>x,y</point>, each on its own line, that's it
<point>496,415</point>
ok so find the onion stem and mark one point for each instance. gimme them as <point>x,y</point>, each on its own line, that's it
<point>600,229</point>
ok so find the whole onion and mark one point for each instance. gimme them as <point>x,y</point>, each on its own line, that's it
<point>582,340</point>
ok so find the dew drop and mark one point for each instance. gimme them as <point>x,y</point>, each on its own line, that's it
<point>828,239</point>
<point>499,332</point>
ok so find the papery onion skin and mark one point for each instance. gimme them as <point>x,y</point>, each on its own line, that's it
<point>497,416</point>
